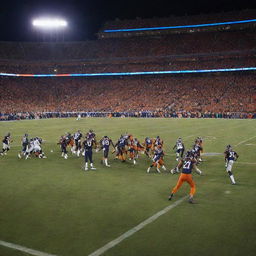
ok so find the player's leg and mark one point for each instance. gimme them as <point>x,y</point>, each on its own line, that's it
<point>177,155</point>
<point>229,171</point>
<point>178,185</point>
<point>90,158</point>
<point>86,160</point>
<point>192,187</point>
<point>161,162</point>
<point>106,151</point>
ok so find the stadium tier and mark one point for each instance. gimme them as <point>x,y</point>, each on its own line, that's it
<point>165,94</point>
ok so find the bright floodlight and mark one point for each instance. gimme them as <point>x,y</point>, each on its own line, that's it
<point>49,23</point>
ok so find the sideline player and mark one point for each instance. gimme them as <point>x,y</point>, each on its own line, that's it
<point>186,175</point>
<point>230,157</point>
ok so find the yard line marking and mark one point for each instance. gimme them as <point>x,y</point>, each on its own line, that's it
<point>24,249</point>
<point>130,232</point>
<point>245,163</point>
<point>241,142</point>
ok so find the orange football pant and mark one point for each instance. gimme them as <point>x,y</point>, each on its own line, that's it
<point>188,178</point>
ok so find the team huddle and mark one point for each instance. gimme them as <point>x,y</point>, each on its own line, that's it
<point>126,148</point>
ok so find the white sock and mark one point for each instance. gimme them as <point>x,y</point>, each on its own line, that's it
<point>198,171</point>
<point>148,169</point>
<point>232,178</point>
<point>106,162</point>
<point>158,170</point>
<point>164,167</point>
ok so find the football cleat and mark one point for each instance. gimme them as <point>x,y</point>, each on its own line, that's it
<point>191,200</point>
<point>170,197</point>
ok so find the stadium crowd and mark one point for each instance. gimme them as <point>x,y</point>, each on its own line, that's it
<point>231,95</point>
<point>186,95</point>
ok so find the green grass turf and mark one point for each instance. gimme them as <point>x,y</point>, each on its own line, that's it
<point>52,205</point>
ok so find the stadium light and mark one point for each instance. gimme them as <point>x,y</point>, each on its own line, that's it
<point>49,23</point>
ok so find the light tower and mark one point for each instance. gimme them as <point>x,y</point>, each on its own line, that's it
<point>50,29</point>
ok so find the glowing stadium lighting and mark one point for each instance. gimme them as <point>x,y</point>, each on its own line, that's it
<point>49,23</point>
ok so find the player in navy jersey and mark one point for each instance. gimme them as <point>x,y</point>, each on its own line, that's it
<point>88,144</point>
<point>187,164</point>
<point>24,144</point>
<point>120,147</point>
<point>230,157</point>
<point>6,144</point>
<point>180,148</point>
<point>63,142</point>
<point>148,146</point>
<point>105,143</point>
<point>158,159</point>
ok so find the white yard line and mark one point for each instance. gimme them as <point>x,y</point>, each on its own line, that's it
<point>244,163</point>
<point>241,142</point>
<point>24,249</point>
<point>135,229</point>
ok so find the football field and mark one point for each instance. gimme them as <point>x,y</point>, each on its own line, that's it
<point>56,208</point>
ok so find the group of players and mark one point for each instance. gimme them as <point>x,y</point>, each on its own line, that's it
<point>29,146</point>
<point>127,147</point>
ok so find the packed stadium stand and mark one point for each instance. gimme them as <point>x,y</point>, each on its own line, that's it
<point>188,95</point>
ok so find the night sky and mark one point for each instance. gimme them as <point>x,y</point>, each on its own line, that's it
<point>85,17</point>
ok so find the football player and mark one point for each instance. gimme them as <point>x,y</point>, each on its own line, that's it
<point>158,159</point>
<point>148,146</point>
<point>77,137</point>
<point>120,147</point>
<point>230,157</point>
<point>105,143</point>
<point>88,144</point>
<point>180,148</point>
<point>6,144</point>
<point>63,146</point>
<point>187,164</point>
<point>25,144</point>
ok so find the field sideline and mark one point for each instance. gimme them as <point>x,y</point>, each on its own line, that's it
<point>52,205</point>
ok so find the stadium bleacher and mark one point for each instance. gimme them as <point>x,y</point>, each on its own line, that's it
<point>167,95</point>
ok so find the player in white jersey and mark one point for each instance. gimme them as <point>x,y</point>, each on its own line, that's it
<point>230,157</point>
<point>180,148</point>
<point>24,144</point>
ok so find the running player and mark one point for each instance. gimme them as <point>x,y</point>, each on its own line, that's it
<point>180,148</point>
<point>230,157</point>
<point>187,165</point>
<point>148,146</point>
<point>158,159</point>
<point>6,144</point>
<point>63,146</point>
